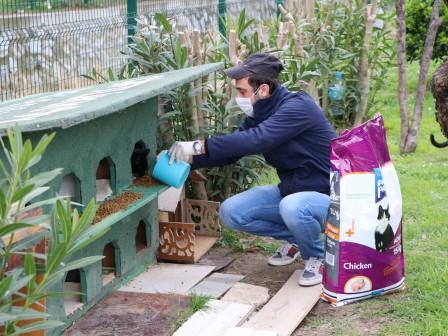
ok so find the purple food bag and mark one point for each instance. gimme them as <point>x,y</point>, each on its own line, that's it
<point>364,250</point>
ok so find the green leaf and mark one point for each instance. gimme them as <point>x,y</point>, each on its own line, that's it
<point>2,204</point>
<point>41,325</point>
<point>21,193</point>
<point>25,156</point>
<point>169,115</point>
<point>13,227</point>
<point>49,201</point>
<point>19,283</point>
<point>29,265</point>
<point>64,219</point>
<point>34,193</point>
<point>79,263</point>
<point>92,234</point>
<point>7,318</point>
<point>43,143</point>
<point>29,241</point>
<point>56,257</point>
<point>86,218</point>
<point>164,22</point>
<point>5,284</point>
<point>43,178</point>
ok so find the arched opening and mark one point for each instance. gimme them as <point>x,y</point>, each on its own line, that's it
<point>72,283</point>
<point>71,187</point>
<point>105,179</point>
<point>109,266</point>
<point>141,239</point>
<point>139,161</point>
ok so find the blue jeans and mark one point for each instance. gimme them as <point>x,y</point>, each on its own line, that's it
<point>297,218</point>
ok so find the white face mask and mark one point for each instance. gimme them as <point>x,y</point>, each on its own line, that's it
<point>245,104</point>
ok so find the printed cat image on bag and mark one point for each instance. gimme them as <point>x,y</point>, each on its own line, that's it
<point>383,232</point>
<point>363,253</point>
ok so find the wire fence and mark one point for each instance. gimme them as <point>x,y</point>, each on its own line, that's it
<point>46,45</point>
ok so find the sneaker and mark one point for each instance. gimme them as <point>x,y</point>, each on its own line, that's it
<point>285,255</point>
<point>312,275</point>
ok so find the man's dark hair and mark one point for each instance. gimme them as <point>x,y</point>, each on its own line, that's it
<point>256,81</point>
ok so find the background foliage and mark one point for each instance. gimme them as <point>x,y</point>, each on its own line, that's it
<point>313,50</point>
<point>418,15</point>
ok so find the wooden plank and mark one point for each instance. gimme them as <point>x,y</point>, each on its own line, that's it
<point>168,278</point>
<point>284,312</point>
<point>256,296</point>
<point>202,244</point>
<point>216,320</point>
<point>239,331</point>
<point>216,284</point>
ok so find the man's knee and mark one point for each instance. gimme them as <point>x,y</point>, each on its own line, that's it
<point>227,214</point>
<point>296,208</point>
<point>289,209</point>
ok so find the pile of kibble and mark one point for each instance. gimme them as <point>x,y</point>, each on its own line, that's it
<point>116,204</point>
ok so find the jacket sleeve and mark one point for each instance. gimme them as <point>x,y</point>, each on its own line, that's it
<point>204,161</point>
<point>291,119</point>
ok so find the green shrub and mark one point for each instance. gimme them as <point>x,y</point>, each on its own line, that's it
<point>418,15</point>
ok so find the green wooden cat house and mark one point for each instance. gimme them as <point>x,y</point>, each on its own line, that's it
<point>97,129</point>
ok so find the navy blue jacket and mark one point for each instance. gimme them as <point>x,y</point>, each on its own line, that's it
<point>292,133</point>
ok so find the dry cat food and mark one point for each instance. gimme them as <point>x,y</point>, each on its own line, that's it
<point>116,204</point>
<point>364,249</point>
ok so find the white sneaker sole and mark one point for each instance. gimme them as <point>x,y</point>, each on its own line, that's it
<point>275,262</point>
<point>309,282</point>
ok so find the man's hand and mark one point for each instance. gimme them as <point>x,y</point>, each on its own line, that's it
<point>181,151</point>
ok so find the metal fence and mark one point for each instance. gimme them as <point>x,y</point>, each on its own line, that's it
<point>46,45</point>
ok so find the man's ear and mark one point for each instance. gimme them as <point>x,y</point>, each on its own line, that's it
<point>264,90</point>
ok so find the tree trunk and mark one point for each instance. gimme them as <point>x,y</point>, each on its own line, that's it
<point>364,73</point>
<point>402,77</point>
<point>410,139</point>
<point>198,125</point>
<point>233,48</point>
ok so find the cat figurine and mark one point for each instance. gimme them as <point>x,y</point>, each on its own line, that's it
<point>384,233</point>
<point>139,163</point>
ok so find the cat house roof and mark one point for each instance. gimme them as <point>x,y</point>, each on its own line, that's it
<point>67,108</point>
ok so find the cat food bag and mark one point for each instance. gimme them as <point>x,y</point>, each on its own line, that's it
<point>364,250</point>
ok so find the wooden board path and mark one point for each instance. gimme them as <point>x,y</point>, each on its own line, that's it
<point>216,320</point>
<point>284,312</point>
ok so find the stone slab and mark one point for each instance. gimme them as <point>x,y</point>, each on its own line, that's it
<point>256,296</point>
<point>168,278</point>
<point>130,314</point>
<point>216,284</point>
<point>217,261</point>
<point>216,320</point>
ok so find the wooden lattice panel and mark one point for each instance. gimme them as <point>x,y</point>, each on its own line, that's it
<point>205,216</point>
<point>176,241</point>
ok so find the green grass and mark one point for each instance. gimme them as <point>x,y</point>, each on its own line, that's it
<point>240,241</point>
<point>198,303</point>
<point>422,309</point>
